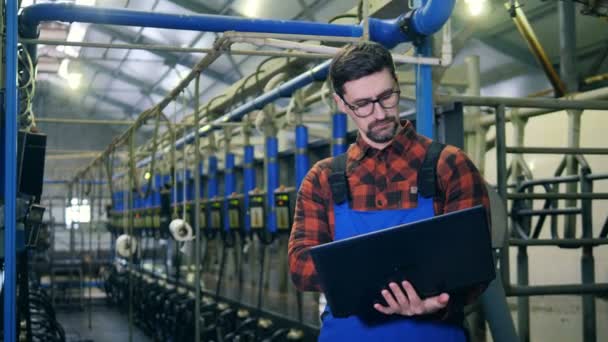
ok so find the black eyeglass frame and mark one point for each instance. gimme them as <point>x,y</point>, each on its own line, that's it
<point>373,103</point>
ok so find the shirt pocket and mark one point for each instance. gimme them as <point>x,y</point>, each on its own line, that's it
<point>402,194</point>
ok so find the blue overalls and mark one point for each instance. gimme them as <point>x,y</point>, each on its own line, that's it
<point>350,223</point>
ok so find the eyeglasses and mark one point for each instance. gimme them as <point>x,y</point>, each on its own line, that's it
<point>365,108</point>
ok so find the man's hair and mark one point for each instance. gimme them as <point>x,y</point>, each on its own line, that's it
<point>359,60</point>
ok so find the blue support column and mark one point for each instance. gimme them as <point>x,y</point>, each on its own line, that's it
<point>272,181</point>
<point>302,162</point>
<point>10,172</point>
<point>189,186</point>
<point>201,174</point>
<point>424,94</point>
<point>158,185</point>
<point>212,186</point>
<point>229,187</point>
<point>248,182</point>
<point>338,134</point>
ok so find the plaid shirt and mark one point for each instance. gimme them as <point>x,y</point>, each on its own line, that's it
<point>378,179</point>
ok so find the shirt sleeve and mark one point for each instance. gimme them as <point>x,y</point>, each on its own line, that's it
<point>463,187</point>
<point>311,227</point>
<point>461,183</point>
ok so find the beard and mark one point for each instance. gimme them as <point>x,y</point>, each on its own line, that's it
<point>382,131</point>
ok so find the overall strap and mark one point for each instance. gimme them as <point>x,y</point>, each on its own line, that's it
<point>427,174</point>
<point>337,179</point>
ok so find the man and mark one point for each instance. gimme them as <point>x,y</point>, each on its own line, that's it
<point>381,169</point>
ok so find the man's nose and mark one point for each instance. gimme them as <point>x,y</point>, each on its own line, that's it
<point>379,113</point>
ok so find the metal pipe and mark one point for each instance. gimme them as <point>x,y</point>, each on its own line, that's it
<point>302,161</point>
<point>588,261</point>
<point>554,104</point>
<point>197,214</point>
<point>595,195</point>
<point>248,182</point>
<point>565,243</point>
<point>501,182</point>
<point>229,184</point>
<point>557,150</point>
<point>592,95</point>
<point>10,172</point>
<point>338,134</point>
<point>551,290</point>
<point>149,47</point>
<point>562,211</point>
<point>424,93</point>
<point>524,27</point>
<point>272,182</point>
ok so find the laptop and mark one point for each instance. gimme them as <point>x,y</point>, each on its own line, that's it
<point>449,253</point>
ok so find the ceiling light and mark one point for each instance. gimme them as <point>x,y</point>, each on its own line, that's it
<point>74,80</point>
<point>476,7</point>
<point>251,8</point>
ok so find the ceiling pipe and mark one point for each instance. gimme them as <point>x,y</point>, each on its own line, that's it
<point>411,26</point>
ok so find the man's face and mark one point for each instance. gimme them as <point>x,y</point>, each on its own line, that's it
<point>379,127</point>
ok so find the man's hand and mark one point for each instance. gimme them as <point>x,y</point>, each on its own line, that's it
<point>409,303</point>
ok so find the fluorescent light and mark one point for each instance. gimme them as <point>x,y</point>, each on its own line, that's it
<point>85,2</point>
<point>476,7</point>
<point>73,78</point>
<point>251,8</point>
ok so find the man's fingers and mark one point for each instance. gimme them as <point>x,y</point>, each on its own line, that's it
<point>390,300</point>
<point>384,309</point>
<point>436,303</point>
<point>399,295</point>
<point>411,293</point>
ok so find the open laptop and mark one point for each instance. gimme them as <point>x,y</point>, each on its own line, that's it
<point>446,253</point>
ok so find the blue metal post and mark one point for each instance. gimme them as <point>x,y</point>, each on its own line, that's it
<point>302,162</point>
<point>272,181</point>
<point>201,174</point>
<point>212,186</point>
<point>229,186</point>
<point>189,186</point>
<point>181,183</point>
<point>248,182</point>
<point>424,93</point>
<point>10,172</point>
<point>338,134</point>
<point>158,185</point>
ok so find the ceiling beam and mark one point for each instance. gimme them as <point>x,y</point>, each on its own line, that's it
<point>187,60</point>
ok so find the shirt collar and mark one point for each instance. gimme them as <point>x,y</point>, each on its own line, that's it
<point>402,141</point>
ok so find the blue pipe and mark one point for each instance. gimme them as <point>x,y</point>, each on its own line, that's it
<point>158,185</point>
<point>180,186</point>
<point>424,94</point>
<point>189,186</point>
<point>272,181</point>
<point>229,186</point>
<point>10,172</point>
<point>201,174</point>
<point>212,178</point>
<point>248,182</point>
<point>302,162</point>
<point>338,133</point>
<point>431,16</point>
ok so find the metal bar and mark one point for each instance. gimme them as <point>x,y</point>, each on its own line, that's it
<point>549,290</point>
<point>564,211</point>
<point>587,260</point>
<point>596,195</point>
<point>10,171</point>
<point>556,180</point>
<point>567,41</point>
<point>197,214</point>
<point>567,243</point>
<point>557,150</point>
<point>501,182</point>
<point>272,183</point>
<point>492,101</point>
<point>597,176</point>
<point>424,93</point>
<point>524,27</point>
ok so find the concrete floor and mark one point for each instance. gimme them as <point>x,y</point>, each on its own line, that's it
<point>108,325</point>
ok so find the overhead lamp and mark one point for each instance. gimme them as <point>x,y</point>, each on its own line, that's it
<point>73,78</point>
<point>476,7</point>
<point>147,175</point>
<point>251,8</point>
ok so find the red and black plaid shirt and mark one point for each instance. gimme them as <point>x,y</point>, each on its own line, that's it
<point>377,179</point>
